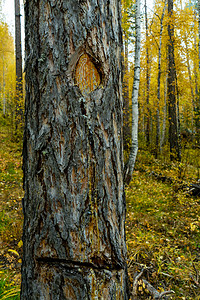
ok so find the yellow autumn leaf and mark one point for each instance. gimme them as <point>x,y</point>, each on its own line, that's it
<point>13,251</point>
<point>20,244</point>
<point>192,226</point>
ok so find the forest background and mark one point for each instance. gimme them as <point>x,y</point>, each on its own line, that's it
<point>163,220</point>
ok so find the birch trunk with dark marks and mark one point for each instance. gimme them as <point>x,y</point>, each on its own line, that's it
<point>74,205</point>
<point>18,59</point>
<point>136,81</point>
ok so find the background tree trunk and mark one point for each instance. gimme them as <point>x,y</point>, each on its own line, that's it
<point>172,105</point>
<point>158,143</point>
<point>4,96</point>
<point>197,115</point>
<point>147,79</point>
<point>74,206</point>
<point>18,55</point>
<point>136,81</point>
<point>126,125</point>
<point>163,136</point>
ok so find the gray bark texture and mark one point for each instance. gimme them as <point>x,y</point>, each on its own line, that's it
<point>74,204</point>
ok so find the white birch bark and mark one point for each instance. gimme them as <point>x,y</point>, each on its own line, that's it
<point>134,132</point>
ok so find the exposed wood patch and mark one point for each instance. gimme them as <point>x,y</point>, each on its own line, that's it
<point>86,75</point>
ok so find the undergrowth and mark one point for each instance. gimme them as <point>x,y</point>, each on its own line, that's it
<point>163,230</point>
<point>162,225</point>
<point>11,194</point>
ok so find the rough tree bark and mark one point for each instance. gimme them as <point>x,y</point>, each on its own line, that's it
<point>136,81</point>
<point>18,58</point>
<point>74,205</point>
<point>171,90</point>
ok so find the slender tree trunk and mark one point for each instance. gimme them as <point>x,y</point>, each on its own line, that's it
<point>163,138</point>
<point>18,55</point>
<point>126,125</point>
<point>190,81</point>
<point>147,79</point>
<point>197,115</point>
<point>178,118</point>
<point>195,67</point>
<point>134,133</point>
<point>74,206</point>
<point>158,144</point>
<point>172,104</point>
<point>4,83</point>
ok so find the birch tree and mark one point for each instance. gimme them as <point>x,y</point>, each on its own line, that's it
<point>74,206</point>
<point>134,132</point>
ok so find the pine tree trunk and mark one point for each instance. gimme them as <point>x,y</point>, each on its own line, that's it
<point>74,205</point>
<point>172,105</point>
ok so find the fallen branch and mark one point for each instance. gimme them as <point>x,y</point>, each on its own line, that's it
<point>166,293</point>
<point>135,284</point>
<point>152,291</point>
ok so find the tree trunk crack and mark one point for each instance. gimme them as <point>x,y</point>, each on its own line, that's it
<point>71,264</point>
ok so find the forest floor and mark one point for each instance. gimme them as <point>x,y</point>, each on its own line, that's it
<point>163,224</point>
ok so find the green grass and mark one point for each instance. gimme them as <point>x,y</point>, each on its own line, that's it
<point>8,291</point>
